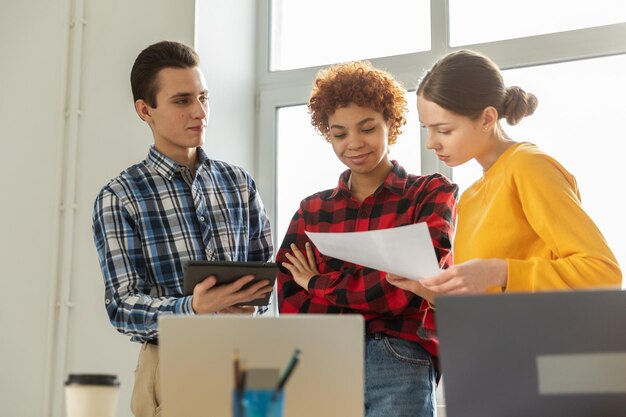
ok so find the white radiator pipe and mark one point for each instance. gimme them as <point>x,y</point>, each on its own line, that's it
<point>62,292</point>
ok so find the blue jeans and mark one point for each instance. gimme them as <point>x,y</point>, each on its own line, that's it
<point>399,379</point>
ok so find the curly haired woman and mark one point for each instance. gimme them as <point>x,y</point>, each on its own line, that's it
<point>359,110</point>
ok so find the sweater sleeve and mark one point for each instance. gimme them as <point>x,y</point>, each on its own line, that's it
<point>579,254</point>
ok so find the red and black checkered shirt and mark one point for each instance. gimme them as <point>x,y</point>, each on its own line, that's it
<point>346,288</point>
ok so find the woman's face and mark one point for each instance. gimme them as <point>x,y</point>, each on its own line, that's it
<point>360,138</point>
<point>455,139</point>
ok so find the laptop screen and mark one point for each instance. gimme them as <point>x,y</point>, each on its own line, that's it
<point>543,354</point>
<point>196,362</point>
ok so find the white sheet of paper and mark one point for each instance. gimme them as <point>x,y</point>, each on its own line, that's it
<point>405,250</point>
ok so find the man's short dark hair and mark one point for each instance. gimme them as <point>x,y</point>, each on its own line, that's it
<point>164,54</point>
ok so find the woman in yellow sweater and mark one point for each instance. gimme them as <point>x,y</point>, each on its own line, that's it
<point>521,227</point>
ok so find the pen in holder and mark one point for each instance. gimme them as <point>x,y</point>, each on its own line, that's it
<point>258,402</point>
<point>260,392</point>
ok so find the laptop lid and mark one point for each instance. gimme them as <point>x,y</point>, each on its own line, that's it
<point>543,354</point>
<point>196,362</point>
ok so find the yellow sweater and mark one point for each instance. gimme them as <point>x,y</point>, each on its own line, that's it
<point>526,209</point>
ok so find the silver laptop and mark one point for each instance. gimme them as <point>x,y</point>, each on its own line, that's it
<point>196,362</point>
<point>556,354</point>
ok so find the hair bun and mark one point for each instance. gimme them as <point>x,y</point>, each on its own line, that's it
<point>518,104</point>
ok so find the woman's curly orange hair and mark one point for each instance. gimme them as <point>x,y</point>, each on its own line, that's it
<point>362,84</point>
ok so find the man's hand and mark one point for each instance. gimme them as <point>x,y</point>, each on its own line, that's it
<point>209,298</point>
<point>245,310</point>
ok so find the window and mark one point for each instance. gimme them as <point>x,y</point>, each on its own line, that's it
<point>571,55</point>
<point>479,21</point>
<point>320,32</point>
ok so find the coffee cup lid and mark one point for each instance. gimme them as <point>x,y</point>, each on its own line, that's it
<point>92,379</point>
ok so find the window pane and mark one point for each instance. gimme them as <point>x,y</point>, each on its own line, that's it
<point>470,24</point>
<point>321,32</point>
<point>307,164</point>
<point>579,122</point>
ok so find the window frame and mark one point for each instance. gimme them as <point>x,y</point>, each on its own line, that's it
<point>276,89</point>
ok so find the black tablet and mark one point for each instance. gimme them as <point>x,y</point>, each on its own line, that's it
<point>227,272</point>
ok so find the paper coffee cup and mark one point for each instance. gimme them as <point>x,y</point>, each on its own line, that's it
<point>91,395</point>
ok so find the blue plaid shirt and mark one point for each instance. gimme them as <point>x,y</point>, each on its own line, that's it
<point>154,217</point>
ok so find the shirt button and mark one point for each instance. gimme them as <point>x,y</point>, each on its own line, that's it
<point>202,218</point>
<point>107,301</point>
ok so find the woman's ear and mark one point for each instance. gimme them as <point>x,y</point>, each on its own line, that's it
<point>389,124</point>
<point>143,110</point>
<point>489,118</point>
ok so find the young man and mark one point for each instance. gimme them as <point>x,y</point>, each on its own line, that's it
<point>175,206</point>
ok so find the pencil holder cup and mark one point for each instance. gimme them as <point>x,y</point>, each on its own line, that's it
<point>258,403</point>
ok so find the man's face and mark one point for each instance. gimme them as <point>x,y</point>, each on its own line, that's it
<point>179,120</point>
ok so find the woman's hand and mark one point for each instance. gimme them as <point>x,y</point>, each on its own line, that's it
<point>471,277</point>
<point>301,266</point>
<point>411,285</point>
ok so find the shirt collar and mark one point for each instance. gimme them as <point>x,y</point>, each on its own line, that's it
<point>395,181</point>
<point>166,166</point>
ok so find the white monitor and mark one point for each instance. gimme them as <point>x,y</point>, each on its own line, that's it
<point>196,362</point>
<point>553,354</point>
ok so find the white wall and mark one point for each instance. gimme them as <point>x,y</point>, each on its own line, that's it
<point>32,52</point>
<point>50,262</point>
